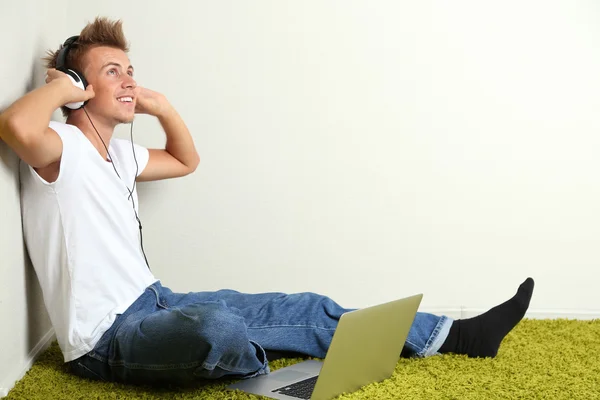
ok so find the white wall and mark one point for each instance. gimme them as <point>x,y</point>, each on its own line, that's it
<point>362,150</point>
<point>370,150</point>
<point>26,30</point>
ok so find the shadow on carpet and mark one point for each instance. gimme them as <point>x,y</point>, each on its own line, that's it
<point>539,359</point>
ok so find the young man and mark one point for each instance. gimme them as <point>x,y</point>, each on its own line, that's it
<point>113,319</point>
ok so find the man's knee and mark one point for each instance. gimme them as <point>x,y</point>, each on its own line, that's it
<point>225,335</point>
<point>218,327</point>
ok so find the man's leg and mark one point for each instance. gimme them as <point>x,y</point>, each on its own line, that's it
<point>157,342</point>
<point>304,323</point>
<point>173,337</point>
<point>300,323</point>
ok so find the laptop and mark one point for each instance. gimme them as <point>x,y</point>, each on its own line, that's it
<point>365,349</point>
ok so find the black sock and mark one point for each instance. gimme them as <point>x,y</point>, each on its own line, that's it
<point>481,336</point>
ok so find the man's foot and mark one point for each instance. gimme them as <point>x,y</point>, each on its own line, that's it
<point>481,336</point>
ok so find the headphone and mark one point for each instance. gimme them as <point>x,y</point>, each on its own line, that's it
<point>79,80</point>
<point>76,77</point>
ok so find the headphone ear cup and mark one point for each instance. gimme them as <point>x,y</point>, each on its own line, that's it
<point>80,82</point>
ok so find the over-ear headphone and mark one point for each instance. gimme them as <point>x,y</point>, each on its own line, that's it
<point>76,77</point>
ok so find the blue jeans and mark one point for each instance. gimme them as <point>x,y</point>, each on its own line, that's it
<point>166,337</point>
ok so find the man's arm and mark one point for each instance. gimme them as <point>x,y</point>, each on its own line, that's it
<point>24,125</point>
<point>179,158</point>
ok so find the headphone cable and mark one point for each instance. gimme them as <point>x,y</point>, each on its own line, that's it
<point>134,179</point>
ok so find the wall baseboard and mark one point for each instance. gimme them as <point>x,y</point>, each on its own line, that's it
<point>465,312</point>
<point>8,382</point>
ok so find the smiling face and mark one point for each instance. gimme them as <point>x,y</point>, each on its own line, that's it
<point>110,73</point>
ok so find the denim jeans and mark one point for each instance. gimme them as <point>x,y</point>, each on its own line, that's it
<point>178,338</point>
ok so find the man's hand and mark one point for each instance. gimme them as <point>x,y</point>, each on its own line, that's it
<point>150,102</point>
<point>71,93</point>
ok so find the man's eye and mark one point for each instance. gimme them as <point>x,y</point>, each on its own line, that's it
<point>112,71</point>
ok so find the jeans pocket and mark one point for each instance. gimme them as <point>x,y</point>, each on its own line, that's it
<point>79,369</point>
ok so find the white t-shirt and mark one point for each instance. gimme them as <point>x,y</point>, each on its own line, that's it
<point>83,238</point>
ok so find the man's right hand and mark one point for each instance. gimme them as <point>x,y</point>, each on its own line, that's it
<point>72,94</point>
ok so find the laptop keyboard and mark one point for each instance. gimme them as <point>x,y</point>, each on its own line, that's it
<point>302,389</point>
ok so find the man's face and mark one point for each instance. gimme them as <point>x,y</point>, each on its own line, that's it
<point>109,71</point>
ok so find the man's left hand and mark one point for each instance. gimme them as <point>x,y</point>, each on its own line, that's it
<point>150,102</point>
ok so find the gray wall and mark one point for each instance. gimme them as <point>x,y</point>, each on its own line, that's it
<point>27,28</point>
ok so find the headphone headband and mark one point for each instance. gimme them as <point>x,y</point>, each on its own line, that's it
<point>61,61</point>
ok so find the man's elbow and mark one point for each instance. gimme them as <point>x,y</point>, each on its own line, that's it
<point>192,167</point>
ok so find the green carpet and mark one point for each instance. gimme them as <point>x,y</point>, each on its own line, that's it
<point>539,359</point>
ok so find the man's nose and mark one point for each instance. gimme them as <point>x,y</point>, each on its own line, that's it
<point>129,82</point>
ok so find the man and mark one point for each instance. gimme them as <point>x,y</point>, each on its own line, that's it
<point>113,319</point>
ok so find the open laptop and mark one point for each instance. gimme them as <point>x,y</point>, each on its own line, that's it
<point>365,348</point>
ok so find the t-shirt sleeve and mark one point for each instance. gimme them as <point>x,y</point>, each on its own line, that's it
<point>71,153</point>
